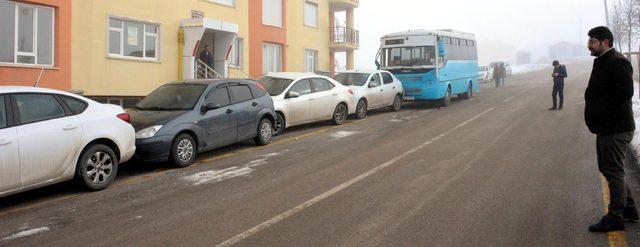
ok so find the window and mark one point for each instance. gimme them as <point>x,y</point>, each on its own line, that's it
<point>375,79</point>
<point>271,58</point>
<point>75,105</point>
<point>272,12</point>
<point>302,87</point>
<point>311,14</point>
<point>237,53</point>
<point>3,113</point>
<point>225,2</point>
<point>220,97</point>
<point>37,107</point>
<point>386,78</point>
<point>455,41</point>
<point>27,34</point>
<point>240,93</point>
<point>133,39</point>
<point>310,61</point>
<point>320,85</point>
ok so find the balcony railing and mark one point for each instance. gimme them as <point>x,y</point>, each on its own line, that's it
<point>344,35</point>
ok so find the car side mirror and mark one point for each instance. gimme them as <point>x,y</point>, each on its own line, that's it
<point>209,107</point>
<point>378,65</point>
<point>292,94</point>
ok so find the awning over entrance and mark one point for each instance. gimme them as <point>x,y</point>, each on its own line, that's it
<point>198,32</point>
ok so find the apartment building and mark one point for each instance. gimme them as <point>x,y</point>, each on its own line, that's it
<point>122,49</point>
<point>35,43</point>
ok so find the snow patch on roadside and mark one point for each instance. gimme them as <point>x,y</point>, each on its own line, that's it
<point>213,176</point>
<point>27,233</point>
<point>342,134</point>
<point>526,68</point>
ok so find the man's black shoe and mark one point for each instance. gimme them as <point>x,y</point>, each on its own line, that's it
<point>608,224</point>
<point>630,214</point>
<point>560,109</point>
<point>551,109</point>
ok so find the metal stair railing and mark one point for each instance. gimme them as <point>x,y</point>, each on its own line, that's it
<point>204,71</point>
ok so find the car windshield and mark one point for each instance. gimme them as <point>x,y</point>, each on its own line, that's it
<point>274,86</point>
<point>409,56</point>
<point>348,79</point>
<point>172,97</point>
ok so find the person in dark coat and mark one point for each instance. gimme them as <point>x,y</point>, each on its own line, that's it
<point>559,73</point>
<point>608,115</point>
<point>206,56</point>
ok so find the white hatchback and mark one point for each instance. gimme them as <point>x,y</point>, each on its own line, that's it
<point>301,98</point>
<point>49,136</point>
<point>373,90</point>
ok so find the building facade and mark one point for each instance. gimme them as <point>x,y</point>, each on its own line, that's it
<point>122,50</point>
<point>35,43</point>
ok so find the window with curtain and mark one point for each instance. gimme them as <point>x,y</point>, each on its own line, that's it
<point>271,58</point>
<point>27,33</point>
<point>272,12</point>
<point>311,14</point>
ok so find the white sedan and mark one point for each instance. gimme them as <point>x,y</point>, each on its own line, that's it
<point>49,136</point>
<point>373,90</point>
<point>301,98</point>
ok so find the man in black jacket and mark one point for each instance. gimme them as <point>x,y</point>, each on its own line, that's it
<point>609,116</point>
<point>559,73</point>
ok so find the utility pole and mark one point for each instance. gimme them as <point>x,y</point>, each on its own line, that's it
<point>606,12</point>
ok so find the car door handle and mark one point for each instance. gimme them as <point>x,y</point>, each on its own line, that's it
<point>394,87</point>
<point>229,111</point>
<point>70,127</point>
<point>4,142</point>
<point>254,104</point>
<point>381,90</point>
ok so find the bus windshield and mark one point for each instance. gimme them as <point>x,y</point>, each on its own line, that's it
<point>409,56</point>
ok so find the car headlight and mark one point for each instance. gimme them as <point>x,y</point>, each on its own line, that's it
<point>148,132</point>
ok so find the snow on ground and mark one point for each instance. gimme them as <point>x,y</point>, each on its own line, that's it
<point>213,176</point>
<point>27,233</point>
<point>526,68</point>
<point>342,134</point>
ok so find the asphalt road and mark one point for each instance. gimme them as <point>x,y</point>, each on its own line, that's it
<point>497,170</point>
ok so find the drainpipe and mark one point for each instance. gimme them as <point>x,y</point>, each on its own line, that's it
<point>180,51</point>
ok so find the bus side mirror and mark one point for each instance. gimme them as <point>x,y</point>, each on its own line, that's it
<point>441,49</point>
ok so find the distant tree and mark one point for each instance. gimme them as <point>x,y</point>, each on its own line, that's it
<point>625,22</point>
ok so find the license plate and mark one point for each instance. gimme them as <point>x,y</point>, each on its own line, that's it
<point>409,98</point>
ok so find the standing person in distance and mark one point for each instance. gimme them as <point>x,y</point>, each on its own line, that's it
<point>559,73</point>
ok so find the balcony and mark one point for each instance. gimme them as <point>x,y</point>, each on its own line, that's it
<point>342,5</point>
<point>344,39</point>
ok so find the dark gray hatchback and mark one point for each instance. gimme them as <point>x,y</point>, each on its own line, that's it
<point>180,119</point>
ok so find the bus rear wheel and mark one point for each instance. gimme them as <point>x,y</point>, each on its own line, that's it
<point>469,93</point>
<point>446,101</point>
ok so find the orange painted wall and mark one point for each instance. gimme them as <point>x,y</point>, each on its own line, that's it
<point>58,77</point>
<point>261,33</point>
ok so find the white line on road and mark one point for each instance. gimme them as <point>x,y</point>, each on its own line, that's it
<point>27,233</point>
<point>242,236</point>
<point>508,99</point>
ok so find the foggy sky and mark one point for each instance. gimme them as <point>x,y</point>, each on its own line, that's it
<point>530,25</point>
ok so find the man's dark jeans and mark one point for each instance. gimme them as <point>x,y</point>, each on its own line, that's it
<point>612,151</point>
<point>558,90</point>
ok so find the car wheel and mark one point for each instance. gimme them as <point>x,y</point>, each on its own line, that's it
<point>361,109</point>
<point>265,132</point>
<point>280,125</point>
<point>397,103</point>
<point>340,114</point>
<point>469,92</point>
<point>97,167</point>
<point>183,151</point>
<point>446,101</point>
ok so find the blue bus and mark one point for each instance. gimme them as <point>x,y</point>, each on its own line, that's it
<point>432,65</point>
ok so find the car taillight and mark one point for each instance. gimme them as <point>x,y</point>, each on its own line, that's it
<point>350,91</point>
<point>124,117</point>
